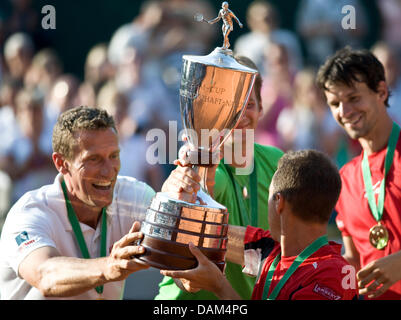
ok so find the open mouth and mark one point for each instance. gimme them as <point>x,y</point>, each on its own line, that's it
<point>104,186</point>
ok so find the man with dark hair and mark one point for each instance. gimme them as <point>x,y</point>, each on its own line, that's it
<point>294,260</point>
<point>75,238</point>
<point>369,205</point>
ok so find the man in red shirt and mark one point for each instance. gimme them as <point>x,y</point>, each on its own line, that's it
<point>294,260</point>
<point>369,206</point>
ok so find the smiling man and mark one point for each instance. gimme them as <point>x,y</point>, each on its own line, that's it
<point>75,238</point>
<point>369,207</point>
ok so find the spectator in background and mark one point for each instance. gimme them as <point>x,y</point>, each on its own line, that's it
<point>18,53</point>
<point>28,160</point>
<point>62,96</point>
<point>98,69</point>
<point>175,34</point>
<point>8,132</point>
<point>302,126</point>
<point>86,95</point>
<point>5,196</point>
<point>392,68</point>
<point>276,94</point>
<point>136,32</point>
<point>46,67</point>
<point>390,11</point>
<point>146,108</point>
<point>263,20</point>
<point>8,121</point>
<point>2,39</point>
<point>26,18</point>
<point>131,142</point>
<point>23,18</point>
<point>152,47</point>
<point>319,24</point>
<point>309,124</point>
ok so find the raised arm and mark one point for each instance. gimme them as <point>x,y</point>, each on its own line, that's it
<point>215,19</point>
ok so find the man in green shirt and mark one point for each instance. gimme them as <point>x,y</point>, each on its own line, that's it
<point>244,195</point>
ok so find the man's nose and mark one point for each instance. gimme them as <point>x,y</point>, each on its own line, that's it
<point>345,109</point>
<point>107,169</point>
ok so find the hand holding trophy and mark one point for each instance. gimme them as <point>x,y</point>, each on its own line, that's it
<point>214,92</point>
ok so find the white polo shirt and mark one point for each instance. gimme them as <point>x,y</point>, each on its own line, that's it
<point>40,219</point>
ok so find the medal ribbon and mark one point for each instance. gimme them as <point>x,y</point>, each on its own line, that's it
<point>377,210</point>
<point>78,232</point>
<point>253,197</point>
<point>305,254</point>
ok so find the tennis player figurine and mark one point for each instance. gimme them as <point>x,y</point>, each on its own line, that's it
<point>227,15</point>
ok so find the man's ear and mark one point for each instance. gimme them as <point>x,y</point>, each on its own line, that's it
<point>60,163</point>
<point>382,89</point>
<point>279,202</point>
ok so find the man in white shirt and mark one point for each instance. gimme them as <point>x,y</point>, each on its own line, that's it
<point>49,246</point>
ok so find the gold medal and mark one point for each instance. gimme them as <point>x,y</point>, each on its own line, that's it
<point>378,236</point>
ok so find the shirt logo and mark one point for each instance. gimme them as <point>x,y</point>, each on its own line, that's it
<point>22,237</point>
<point>326,292</point>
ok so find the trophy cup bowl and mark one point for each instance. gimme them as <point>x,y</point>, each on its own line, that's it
<point>214,92</point>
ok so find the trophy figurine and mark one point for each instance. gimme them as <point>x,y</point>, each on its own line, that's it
<point>227,15</point>
<point>214,92</point>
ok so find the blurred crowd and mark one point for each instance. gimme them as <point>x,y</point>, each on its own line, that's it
<point>136,75</point>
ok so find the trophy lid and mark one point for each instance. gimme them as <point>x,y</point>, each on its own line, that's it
<point>221,58</point>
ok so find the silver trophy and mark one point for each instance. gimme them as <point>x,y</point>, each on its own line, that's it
<point>214,92</point>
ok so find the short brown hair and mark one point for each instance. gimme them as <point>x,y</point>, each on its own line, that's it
<point>309,182</point>
<point>74,120</point>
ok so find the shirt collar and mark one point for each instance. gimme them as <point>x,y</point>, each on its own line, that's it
<point>56,202</point>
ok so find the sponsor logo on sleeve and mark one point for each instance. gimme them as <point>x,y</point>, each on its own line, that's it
<point>24,241</point>
<point>22,237</point>
<point>326,292</point>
